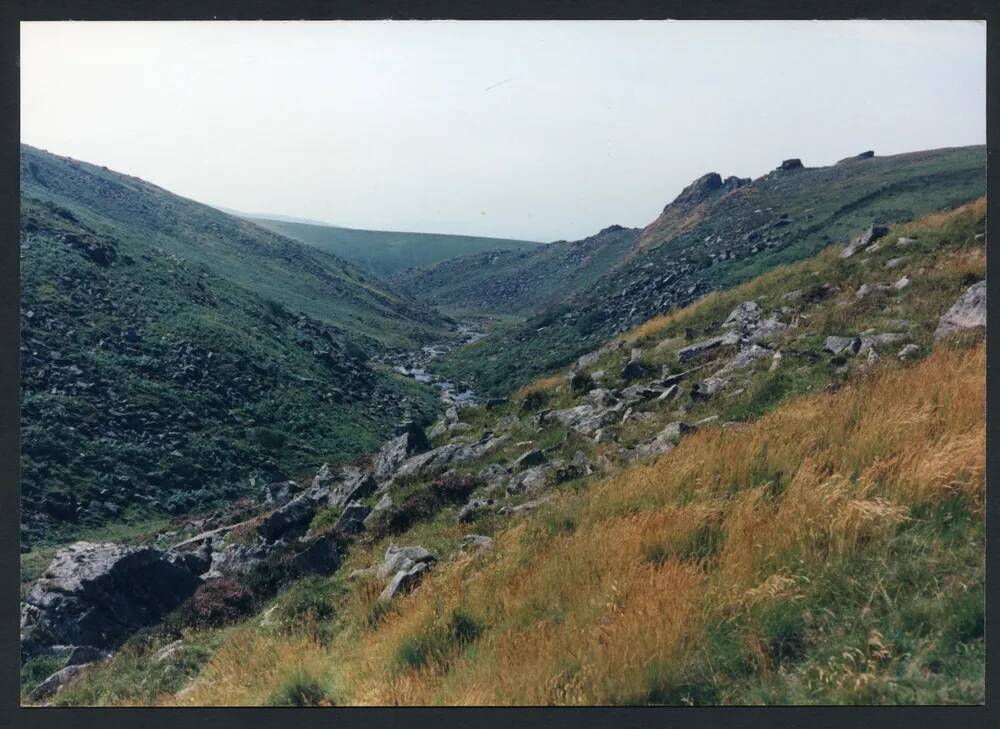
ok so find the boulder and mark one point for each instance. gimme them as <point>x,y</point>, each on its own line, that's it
<point>744,318</point>
<point>534,457</point>
<point>472,510</point>
<point>352,520</point>
<point>790,164</point>
<point>633,370</point>
<point>866,290</point>
<point>878,341</point>
<point>768,329</point>
<point>410,442</point>
<point>747,356</point>
<point>81,655</point>
<point>966,313</point>
<point>290,520</point>
<point>384,504</point>
<point>322,556</point>
<point>240,559</point>
<point>99,594</point>
<point>706,345</point>
<point>836,345</point>
<point>902,283</point>
<point>527,481</point>
<point>873,233</point>
<point>54,683</point>
<point>355,484</point>
<point>523,508</point>
<point>404,581</point>
<point>896,262</point>
<point>280,492</point>
<point>401,559</point>
<point>908,351</point>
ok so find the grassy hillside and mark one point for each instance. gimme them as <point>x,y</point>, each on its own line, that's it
<point>297,276</point>
<point>712,238</point>
<point>816,534</point>
<point>382,253</point>
<point>152,386</point>
<point>517,282</point>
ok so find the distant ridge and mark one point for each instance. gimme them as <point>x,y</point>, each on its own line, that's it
<point>382,252</point>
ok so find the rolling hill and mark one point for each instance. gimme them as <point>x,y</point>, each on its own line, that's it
<point>170,353</point>
<point>715,234</point>
<point>383,253</point>
<point>301,277</point>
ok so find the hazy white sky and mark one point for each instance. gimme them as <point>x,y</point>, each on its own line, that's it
<point>537,130</point>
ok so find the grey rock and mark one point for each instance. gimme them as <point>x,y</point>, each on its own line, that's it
<point>240,559</point>
<point>768,329</point>
<point>903,241</point>
<point>410,442</point>
<point>836,345</point>
<point>534,457</point>
<point>866,290</point>
<point>355,484</point>
<point>280,492</point>
<point>873,233</point>
<point>99,594</point>
<point>966,313</point>
<point>896,262</point>
<point>402,558</point>
<point>321,556</point>
<point>747,356</point>
<point>289,520</point>
<point>706,345</point>
<point>404,581</point>
<point>81,655</point>
<point>902,283</point>
<point>352,520</point>
<point>383,505</point>
<point>472,510</point>
<point>527,481</point>
<point>54,683</point>
<point>908,351</point>
<point>878,341</point>
<point>523,508</point>
<point>744,317</point>
<point>633,370</point>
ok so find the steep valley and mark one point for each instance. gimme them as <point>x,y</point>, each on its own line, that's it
<point>683,475</point>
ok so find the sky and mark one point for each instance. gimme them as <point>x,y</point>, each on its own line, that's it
<point>533,130</point>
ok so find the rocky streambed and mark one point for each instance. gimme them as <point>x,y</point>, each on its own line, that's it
<point>417,365</point>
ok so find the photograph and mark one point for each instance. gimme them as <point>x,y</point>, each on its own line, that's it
<point>498,363</point>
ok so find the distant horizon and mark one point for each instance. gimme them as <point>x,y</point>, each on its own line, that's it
<point>282,217</point>
<point>525,130</point>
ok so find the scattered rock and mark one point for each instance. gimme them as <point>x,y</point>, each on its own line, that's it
<point>873,233</point>
<point>836,345</point>
<point>523,508</point>
<point>472,510</point>
<point>896,262</point>
<point>355,484</point>
<point>81,655</point>
<point>866,290</point>
<point>908,351</point>
<point>903,241</point>
<point>902,283</point>
<point>966,313</point>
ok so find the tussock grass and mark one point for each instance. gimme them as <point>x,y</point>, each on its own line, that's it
<point>832,552</point>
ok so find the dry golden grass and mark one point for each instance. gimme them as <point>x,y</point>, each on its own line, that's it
<point>581,602</point>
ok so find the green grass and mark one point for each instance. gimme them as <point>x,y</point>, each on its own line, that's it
<point>383,253</point>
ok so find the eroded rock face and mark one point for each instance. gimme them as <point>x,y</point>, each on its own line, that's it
<point>966,313</point>
<point>99,594</point>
